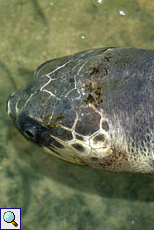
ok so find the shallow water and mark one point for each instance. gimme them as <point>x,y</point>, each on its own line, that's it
<point>53,194</point>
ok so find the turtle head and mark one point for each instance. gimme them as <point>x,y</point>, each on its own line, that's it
<point>57,110</point>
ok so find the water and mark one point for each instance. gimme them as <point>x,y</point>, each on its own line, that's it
<point>53,194</point>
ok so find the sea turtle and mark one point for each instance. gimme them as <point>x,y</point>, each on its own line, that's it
<point>93,108</point>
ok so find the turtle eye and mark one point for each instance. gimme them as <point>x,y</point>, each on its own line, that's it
<point>30,133</point>
<point>32,129</point>
<point>28,126</point>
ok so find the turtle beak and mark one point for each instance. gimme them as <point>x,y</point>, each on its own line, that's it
<point>11,106</point>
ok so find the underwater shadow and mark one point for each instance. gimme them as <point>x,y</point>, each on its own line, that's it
<point>105,184</point>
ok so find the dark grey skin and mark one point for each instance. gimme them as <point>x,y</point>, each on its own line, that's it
<point>93,108</point>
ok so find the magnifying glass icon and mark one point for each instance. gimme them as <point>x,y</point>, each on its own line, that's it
<point>9,217</point>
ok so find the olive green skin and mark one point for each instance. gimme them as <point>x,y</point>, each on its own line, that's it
<point>93,108</point>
